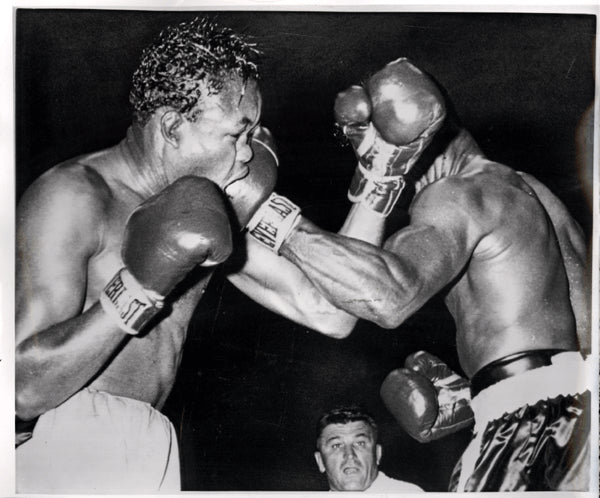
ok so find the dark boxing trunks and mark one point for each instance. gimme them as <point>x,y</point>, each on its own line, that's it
<point>532,426</point>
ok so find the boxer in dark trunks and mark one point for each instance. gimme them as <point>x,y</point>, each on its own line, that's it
<point>511,264</point>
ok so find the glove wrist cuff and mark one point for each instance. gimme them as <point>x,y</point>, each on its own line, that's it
<point>378,193</point>
<point>125,300</point>
<point>274,221</point>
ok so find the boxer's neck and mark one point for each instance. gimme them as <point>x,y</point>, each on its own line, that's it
<point>459,153</point>
<point>144,169</point>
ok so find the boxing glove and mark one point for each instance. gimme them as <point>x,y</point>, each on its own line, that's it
<point>184,225</point>
<point>427,398</point>
<point>389,123</point>
<point>267,216</point>
<point>249,193</point>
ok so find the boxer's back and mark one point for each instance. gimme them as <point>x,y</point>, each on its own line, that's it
<point>514,292</point>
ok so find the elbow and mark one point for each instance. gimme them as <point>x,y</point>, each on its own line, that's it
<point>26,407</point>
<point>389,321</point>
<point>335,329</point>
<point>29,399</point>
<point>339,333</point>
<point>328,319</point>
<point>338,325</point>
<point>387,314</point>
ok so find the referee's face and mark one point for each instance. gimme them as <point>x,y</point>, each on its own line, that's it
<point>349,455</point>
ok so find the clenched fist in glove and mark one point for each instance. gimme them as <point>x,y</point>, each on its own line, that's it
<point>184,225</point>
<point>389,123</point>
<point>427,398</point>
<point>268,216</point>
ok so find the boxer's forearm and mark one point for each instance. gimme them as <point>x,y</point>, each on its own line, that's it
<point>54,363</point>
<point>325,315</point>
<point>351,274</point>
<point>280,286</point>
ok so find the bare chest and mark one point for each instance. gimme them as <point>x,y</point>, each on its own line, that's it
<point>146,365</point>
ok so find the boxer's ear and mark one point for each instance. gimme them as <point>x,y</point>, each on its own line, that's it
<point>169,127</point>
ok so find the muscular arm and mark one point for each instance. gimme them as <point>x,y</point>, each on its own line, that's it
<point>387,285</point>
<point>59,347</point>
<point>279,285</point>
<point>574,251</point>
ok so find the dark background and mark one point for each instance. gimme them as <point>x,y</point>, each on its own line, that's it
<point>252,383</point>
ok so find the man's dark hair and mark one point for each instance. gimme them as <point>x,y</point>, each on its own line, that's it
<point>187,62</point>
<point>345,415</point>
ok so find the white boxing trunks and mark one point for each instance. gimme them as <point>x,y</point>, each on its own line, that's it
<point>99,443</point>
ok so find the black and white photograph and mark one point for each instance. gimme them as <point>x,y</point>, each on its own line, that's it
<point>293,249</point>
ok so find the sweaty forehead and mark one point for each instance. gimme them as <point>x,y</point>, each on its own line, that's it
<point>237,102</point>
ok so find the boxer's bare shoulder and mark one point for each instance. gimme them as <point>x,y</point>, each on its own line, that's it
<point>70,228</point>
<point>67,184</point>
<point>487,204</point>
<point>70,215</point>
<point>58,221</point>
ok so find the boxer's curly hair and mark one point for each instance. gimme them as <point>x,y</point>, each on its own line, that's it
<point>187,62</point>
<point>344,415</point>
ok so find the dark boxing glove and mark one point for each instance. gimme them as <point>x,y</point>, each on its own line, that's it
<point>389,123</point>
<point>249,193</point>
<point>268,216</point>
<point>427,398</point>
<point>184,225</point>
